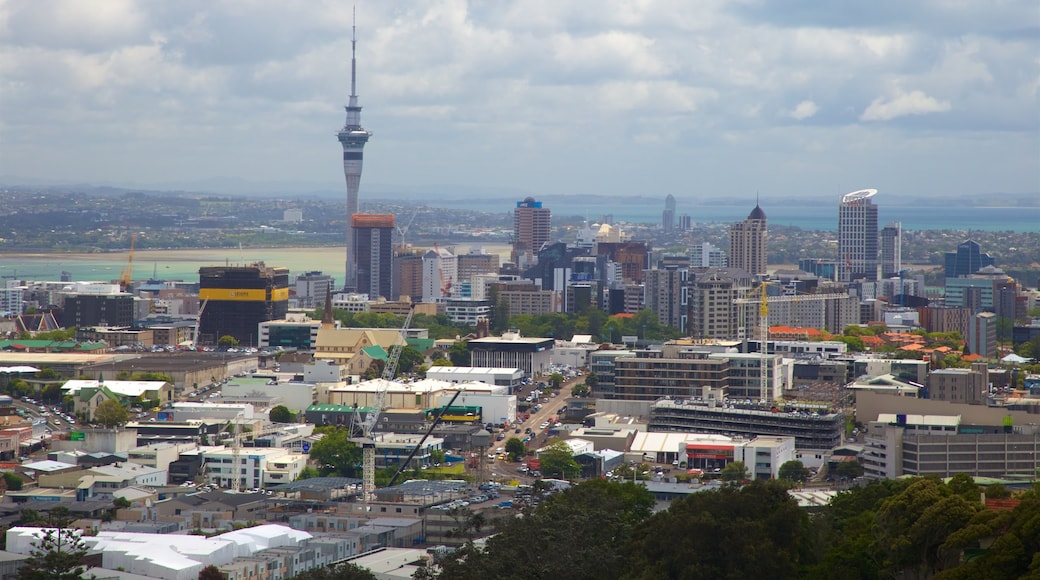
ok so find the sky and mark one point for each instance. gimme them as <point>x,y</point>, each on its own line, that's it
<point>535,97</point>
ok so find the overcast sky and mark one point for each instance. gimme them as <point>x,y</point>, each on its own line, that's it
<point>547,97</point>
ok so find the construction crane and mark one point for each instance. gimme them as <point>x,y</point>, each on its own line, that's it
<point>403,231</point>
<point>368,442</point>
<point>436,421</point>
<point>198,324</point>
<point>126,275</point>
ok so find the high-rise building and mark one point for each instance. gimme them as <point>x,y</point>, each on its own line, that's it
<point>531,228</point>
<point>705,255</point>
<point>438,275</point>
<point>408,276</point>
<point>668,216</point>
<point>373,234</point>
<point>239,298</point>
<point>891,250</point>
<point>666,294</point>
<point>967,260</point>
<point>353,138</point>
<point>311,289</point>
<point>857,236</point>
<point>747,243</point>
<point>476,262</point>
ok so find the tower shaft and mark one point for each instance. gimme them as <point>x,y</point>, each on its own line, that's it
<point>353,138</point>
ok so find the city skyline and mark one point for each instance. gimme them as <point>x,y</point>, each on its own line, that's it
<point>746,97</point>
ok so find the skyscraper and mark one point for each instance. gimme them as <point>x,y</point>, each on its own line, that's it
<point>668,216</point>
<point>968,259</point>
<point>891,250</point>
<point>353,138</point>
<point>747,243</point>
<point>857,236</point>
<point>531,227</point>
<point>373,233</point>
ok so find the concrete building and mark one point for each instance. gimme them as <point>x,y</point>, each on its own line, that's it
<point>712,295</point>
<point>811,430</point>
<point>531,355</point>
<point>970,386</point>
<point>982,334</point>
<point>764,455</point>
<point>891,259</point>
<point>671,371</point>
<point>476,262</point>
<point>747,243</point>
<point>744,375</point>
<point>257,467</point>
<point>858,236</point>
<point>294,395</point>
<point>666,294</point>
<point>706,255</point>
<point>92,304</point>
<point>439,274</point>
<point>504,377</point>
<point>408,276</point>
<point>299,334</point>
<point>467,311</point>
<point>311,289</point>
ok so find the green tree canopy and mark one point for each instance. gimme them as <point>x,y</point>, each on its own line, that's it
<point>556,380</point>
<point>59,552</point>
<point>210,572</point>
<point>849,469</point>
<point>794,471</point>
<point>577,534</point>
<point>336,455</point>
<point>459,354</point>
<point>111,413</point>
<point>735,471</point>
<point>281,414</point>
<point>342,571</point>
<point>515,448</point>
<point>558,461</point>
<point>13,481</point>
<point>410,359</point>
<point>227,341</point>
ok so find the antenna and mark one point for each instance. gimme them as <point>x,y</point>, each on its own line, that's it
<point>353,54</point>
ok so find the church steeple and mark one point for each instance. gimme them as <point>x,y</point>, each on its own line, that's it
<point>326,315</point>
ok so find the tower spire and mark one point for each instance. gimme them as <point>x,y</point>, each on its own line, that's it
<point>353,59</point>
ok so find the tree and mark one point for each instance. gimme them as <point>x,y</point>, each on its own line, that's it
<point>581,390</point>
<point>410,359</point>
<point>227,341</point>
<point>111,413</point>
<point>556,380</point>
<point>342,571</point>
<point>442,362</point>
<point>459,354</point>
<point>754,531</point>
<point>58,552</point>
<point>849,469</point>
<point>121,502</point>
<point>374,370</point>
<point>13,481</point>
<point>210,572</point>
<point>515,448</point>
<point>335,454</point>
<point>281,414</point>
<point>794,471</point>
<point>307,473</point>
<point>577,533</point>
<point>734,472</point>
<point>558,461</point>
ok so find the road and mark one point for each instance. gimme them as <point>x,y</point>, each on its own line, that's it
<point>550,409</point>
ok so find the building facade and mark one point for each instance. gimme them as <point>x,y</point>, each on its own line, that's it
<point>373,235</point>
<point>891,249</point>
<point>532,224</point>
<point>858,236</point>
<point>747,243</point>
<point>239,298</point>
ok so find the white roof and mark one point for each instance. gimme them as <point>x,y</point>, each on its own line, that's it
<point>672,442</point>
<point>47,465</point>
<point>391,562</point>
<point>473,370</point>
<point>928,420</point>
<point>125,388</point>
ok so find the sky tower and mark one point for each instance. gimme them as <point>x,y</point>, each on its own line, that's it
<point>353,138</point>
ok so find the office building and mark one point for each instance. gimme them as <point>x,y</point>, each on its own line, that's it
<point>474,263</point>
<point>970,386</point>
<point>858,236</point>
<point>311,288</point>
<point>712,295</point>
<point>373,234</point>
<point>982,334</point>
<point>669,371</point>
<point>747,243</point>
<point>408,276</point>
<point>438,274</point>
<point>668,215</point>
<point>96,305</point>
<point>967,260</point>
<point>531,229</point>
<point>666,294</point>
<point>353,138</point>
<point>706,255</point>
<point>239,298</point>
<point>531,355</point>
<point>891,250</point>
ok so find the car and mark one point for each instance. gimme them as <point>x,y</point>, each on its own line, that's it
<point>517,430</point>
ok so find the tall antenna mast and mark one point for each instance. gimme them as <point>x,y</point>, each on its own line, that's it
<point>353,58</point>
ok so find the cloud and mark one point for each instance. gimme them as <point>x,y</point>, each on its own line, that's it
<point>912,103</point>
<point>803,110</point>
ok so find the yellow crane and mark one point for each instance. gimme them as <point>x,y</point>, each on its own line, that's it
<point>126,275</point>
